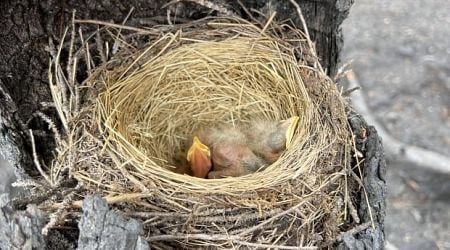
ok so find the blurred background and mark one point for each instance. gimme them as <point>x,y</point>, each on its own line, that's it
<point>401,57</point>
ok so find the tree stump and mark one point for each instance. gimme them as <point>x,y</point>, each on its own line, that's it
<point>27,26</point>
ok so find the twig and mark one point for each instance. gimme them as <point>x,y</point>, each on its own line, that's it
<point>156,214</point>
<point>59,95</point>
<point>352,231</point>
<point>213,237</point>
<point>347,92</point>
<point>126,174</point>
<point>27,183</point>
<point>353,211</point>
<point>417,155</point>
<point>99,43</point>
<point>245,218</point>
<point>116,41</point>
<point>215,212</point>
<point>305,27</point>
<point>168,17</point>
<point>57,216</point>
<point>51,125</point>
<point>125,27</point>
<point>109,199</point>
<point>267,246</point>
<point>249,13</point>
<point>342,71</point>
<point>357,178</point>
<point>302,19</point>
<point>220,237</point>
<point>41,195</point>
<point>366,196</point>
<point>70,60</point>
<point>36,160</point>
<point>269,21</point>
<point>46,105</point>
<point>252,229</point>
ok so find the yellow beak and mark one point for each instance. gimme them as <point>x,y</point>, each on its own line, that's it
<point>197,147</point>
<point>291,129</point>
<point>199,158</point>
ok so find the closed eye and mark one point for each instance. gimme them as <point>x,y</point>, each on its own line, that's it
<point>276,142</point>
<point>221,162</point>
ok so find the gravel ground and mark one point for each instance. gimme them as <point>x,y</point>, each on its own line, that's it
<point>401,55</point>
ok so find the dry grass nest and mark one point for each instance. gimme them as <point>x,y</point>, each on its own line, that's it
<point>137,108</point>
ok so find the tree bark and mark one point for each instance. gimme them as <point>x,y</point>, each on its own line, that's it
<point>28,24</point>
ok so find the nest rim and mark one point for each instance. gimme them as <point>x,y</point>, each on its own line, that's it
<point>273,175</point>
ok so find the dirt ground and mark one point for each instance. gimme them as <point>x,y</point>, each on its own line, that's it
<point>401,55</point>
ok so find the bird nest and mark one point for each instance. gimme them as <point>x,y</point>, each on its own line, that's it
<point>135,111</point>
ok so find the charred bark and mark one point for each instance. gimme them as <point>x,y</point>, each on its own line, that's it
<point>28,24</point>
<point>369,143</point>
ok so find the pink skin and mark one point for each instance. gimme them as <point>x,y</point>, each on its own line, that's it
<point>231,160</point>
<point>200,164</point>
<point>268,139</point>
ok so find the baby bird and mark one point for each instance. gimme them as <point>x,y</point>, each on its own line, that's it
<point>199,158</point>
<point>269,139</point>
<point>231,155</point>
<point>230,152</point>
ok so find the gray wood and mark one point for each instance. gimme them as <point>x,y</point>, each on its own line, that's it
<point>101,228</point>
<point>20,229</point>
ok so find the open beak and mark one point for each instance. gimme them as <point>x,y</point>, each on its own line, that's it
<point>290,125</point>
<point>199,157</point>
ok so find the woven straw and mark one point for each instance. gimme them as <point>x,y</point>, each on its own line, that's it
<point>135,111</point>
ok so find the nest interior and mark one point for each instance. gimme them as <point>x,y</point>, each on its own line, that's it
<point>138,109</point>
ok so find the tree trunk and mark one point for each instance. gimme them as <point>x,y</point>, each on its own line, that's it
<point>28,24</point>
